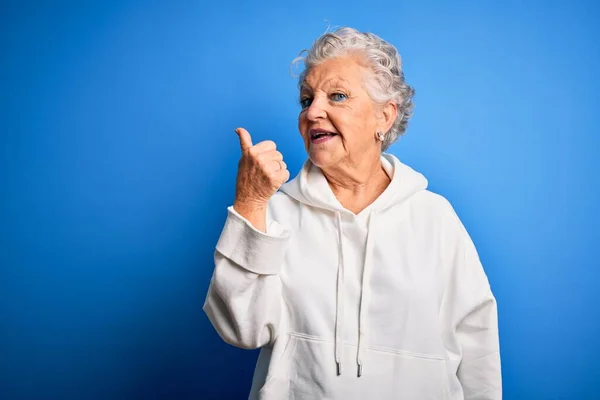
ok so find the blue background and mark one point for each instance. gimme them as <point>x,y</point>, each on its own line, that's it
<point>118,160</point>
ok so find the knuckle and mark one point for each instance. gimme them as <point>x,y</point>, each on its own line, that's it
<point>253,152</point>
<point>270,173</point>
<point>262,162</point>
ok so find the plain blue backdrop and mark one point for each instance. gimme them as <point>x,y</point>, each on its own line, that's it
<point>118,160</point>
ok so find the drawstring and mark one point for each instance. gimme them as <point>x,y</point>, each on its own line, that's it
<point>365,295</point>
<point>364,298</point>
<point>340,298</point>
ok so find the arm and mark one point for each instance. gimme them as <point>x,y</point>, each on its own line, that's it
<point>244,298</point>
<point>470,311</point>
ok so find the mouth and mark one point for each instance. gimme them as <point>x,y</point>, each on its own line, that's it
<point>320,135</point>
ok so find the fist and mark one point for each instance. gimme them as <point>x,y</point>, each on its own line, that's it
<point>261,171</point>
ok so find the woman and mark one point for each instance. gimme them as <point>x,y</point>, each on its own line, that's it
<point>356,282</point>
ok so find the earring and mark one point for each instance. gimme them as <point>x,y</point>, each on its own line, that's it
<point>380,136</point>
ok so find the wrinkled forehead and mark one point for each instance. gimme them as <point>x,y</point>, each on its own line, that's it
<point>310,85</point>
<point>344,72</point>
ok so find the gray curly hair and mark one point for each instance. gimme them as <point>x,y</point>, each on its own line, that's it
<point>385,83</point>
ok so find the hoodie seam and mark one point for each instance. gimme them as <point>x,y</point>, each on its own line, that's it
<point>382,349</point>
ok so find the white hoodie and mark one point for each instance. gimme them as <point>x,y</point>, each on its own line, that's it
<point>391,303</point>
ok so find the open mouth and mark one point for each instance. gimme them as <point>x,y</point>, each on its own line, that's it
<point>320,135</point>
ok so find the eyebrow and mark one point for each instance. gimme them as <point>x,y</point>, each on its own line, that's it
<point>331,82</point>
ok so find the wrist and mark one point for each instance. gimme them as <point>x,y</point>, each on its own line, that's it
<point>249,206</point>
<point>254,213</point>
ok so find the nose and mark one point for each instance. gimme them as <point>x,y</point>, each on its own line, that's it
<point>316,110</point>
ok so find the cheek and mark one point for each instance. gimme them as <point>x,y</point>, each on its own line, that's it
<point>356,128</point>
<point>301,119</point>
<point>347,122</point>
<point>365,121</point>
<point>302,125</point>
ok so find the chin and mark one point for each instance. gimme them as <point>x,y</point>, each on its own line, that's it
<point>322,159</point>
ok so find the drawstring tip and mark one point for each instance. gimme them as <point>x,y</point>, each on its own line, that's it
<point>359,370</point>
<point>339,368</point>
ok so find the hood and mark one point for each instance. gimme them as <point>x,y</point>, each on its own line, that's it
<point>310,186</point>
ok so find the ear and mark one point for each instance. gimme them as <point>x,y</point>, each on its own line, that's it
<point>389,112</point>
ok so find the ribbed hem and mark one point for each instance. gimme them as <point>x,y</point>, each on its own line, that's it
<point>250,248</point>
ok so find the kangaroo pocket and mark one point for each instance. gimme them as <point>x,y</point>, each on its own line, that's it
<point>277,383</point>
<point>397,374</point>
<point>307,370</point>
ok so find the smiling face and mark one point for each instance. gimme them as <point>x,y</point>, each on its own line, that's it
<point>339,121</point>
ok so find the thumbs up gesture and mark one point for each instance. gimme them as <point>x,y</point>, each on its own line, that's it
<point>261,172</point>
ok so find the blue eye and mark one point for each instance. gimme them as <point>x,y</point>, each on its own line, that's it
<point>338,97</point>
<point>305,102</point>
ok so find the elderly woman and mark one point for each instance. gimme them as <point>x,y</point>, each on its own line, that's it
<point>354,280</point>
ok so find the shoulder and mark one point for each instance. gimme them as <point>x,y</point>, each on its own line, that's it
<point>435,214</point>
<point>433,204</point>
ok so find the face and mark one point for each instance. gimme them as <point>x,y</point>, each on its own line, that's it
<point>338,120</point>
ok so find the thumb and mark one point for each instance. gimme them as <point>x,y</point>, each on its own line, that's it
<point>245,139</point>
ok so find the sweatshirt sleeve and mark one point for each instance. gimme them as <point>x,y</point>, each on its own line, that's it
<point>470,310</point>
<point>244,300</point>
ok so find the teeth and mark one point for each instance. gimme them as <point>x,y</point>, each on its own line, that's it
<point>321,134</point>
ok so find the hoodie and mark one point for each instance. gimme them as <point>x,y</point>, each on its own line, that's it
<point>390,303</point>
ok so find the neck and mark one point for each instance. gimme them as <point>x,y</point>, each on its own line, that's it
<point>356,186</point>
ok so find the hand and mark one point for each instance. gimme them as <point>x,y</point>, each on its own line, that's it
<point>261,172</point>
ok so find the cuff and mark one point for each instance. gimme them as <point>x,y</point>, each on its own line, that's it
<point>250,248</point>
